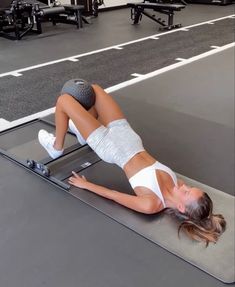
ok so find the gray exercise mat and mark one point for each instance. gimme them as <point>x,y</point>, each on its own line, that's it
<point>217,259</point>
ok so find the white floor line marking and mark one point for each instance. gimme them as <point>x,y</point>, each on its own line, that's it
<point>111,47</point>
<point>118,48</point>
<point>137,75</point>
<point>211,23</point>
<point>169,68</point>
<point>184,29</point>
<point>6,125</point>
<point>215,47</point>
<point>17,74</point>
<point>154,38</point>
<point>124,84</point>
<point>3,121</point>
<point>73,60</point>
<point>180,59</point>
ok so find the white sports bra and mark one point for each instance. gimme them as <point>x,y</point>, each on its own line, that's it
<point>146,177</point>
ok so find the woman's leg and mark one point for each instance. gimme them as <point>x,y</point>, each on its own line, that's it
<point>106,107</point>
<point>106,110</point>
<point>68,108</point>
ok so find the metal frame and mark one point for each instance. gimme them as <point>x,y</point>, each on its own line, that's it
<point>47,160</point>
<point>18,13</point>
<point>138,9</point>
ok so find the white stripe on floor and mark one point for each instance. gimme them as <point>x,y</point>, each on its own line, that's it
<point>168,68</point>
<point>19,71</point>
<point>136,75</point>
<point>180,59</point>
<point>5,125</point>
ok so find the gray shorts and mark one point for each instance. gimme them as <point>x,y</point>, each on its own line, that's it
<point>117,143</point>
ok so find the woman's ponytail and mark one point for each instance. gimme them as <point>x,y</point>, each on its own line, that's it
<point>207,230</point>
<point>198,222</point>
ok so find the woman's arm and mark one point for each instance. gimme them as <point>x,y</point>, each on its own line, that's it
<point>147,204</point>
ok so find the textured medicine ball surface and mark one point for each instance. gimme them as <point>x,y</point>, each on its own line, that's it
<point>81,90</point>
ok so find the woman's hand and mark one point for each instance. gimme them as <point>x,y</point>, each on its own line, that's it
<point>78,181</point>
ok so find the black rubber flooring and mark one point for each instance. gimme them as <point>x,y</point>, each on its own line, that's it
<point>38,89</point>
<point>110,28</point>
<point>48,238</point>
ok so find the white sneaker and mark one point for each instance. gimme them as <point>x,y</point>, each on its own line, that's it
<point>47,141</point>
<point>75,131</point>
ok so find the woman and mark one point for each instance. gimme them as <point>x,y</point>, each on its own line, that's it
<point>156,187</point>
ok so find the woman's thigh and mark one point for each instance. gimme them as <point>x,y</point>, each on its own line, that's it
<point>84,121</point>
<point>106,107</point>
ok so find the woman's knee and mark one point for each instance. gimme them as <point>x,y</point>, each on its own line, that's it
<point>64,100</point>
<point>95,86</point>
<point>99,91</point>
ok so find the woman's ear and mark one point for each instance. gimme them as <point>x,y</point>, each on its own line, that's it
<point>181,207</point>
<point>180,182</point>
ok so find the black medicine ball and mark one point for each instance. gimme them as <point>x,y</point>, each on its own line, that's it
<point>81,90</point>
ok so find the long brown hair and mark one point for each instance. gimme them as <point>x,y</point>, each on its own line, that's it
<point>198,221</point>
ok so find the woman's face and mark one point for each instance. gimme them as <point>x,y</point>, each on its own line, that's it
<point>187,194</point>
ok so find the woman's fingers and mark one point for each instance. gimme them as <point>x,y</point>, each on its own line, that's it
<point>78,176</point>
<point>77,180</point>
<point>75,174</point>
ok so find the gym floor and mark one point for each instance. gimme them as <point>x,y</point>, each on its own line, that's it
<point>51,239</point>
<point>111,28</point>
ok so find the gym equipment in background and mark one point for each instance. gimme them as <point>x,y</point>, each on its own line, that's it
<point>214,2</point>
<point>90,6</point>
<point>68,14</point>
<point>139,9</point>
<point>18,18</point>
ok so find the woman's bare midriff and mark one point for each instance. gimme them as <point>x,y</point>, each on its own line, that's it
<point>138,162</point>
